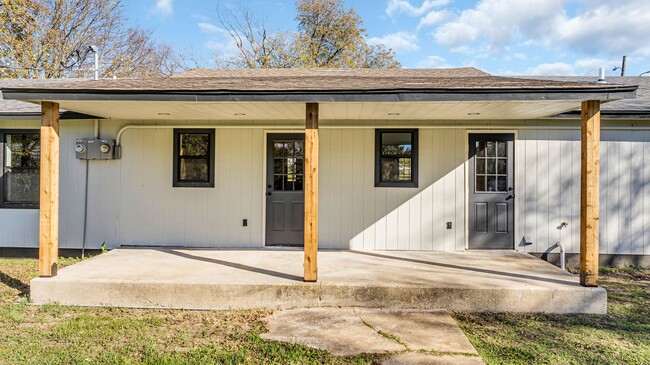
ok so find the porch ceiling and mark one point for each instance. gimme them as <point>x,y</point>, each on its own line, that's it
<point>440,110</point>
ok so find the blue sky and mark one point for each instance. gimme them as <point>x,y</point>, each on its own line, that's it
<point>503,37</point>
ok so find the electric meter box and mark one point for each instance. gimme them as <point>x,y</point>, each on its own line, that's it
<point>94,149</point>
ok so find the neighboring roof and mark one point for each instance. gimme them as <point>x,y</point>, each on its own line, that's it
<point>14,109</point>
<point>637,107</point>
<point>305,85</point>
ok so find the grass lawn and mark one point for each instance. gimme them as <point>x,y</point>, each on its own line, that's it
<point>620,337</point>
<point>67,335</point>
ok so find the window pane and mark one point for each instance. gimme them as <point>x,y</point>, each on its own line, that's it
<point>280,149</point>
<point>491,183</point>
<point>405,169</point>
<point>300,166</point>
<point>502,183</point>
<point>502,167</point>
<point>480,149</point>
<point>480,166</point>
<point>501,149</point>
<point>390,169</point>
<point>297,185</point>
<point>480,183</point>
<point>22,150</point>
<point>490,149</point>
<point>491,169</point>
<point>278,163</point>
<point>194,144</point>
<point>396,143</point>
<point>291,168</point>
<point>21,186</point>
<point>193,169</point>
<point>298,148</point>
<point>277,182</point>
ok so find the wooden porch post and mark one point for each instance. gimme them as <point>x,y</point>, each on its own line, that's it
<point>311,193</point>
<point>48,241</point>
<point>589,192</point>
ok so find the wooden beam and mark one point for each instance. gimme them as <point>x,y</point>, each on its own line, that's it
<point>48,241</point>
<point>311,193</point>
<point>589,192</point>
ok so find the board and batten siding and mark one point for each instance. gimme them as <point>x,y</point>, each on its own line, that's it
<point>354,214</point>
<point>131,201</point>
<point>548,191</point>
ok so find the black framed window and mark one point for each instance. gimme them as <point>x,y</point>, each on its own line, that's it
<point>396,158</point>
<point>194,158</point>
<point>20,153</point>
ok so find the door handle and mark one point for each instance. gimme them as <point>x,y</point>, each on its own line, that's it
<point>268,193</point>
<point>510,197</point>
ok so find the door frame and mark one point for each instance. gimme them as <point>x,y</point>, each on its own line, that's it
<point>515,132</point>
<point>298,130</point>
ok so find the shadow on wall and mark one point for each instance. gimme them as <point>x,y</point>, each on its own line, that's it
<point>549,191</point>
<point>354,214</point>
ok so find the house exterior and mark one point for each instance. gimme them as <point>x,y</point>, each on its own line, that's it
<point>431,160</point>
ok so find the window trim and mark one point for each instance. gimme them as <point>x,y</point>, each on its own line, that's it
<point>211,158</point>
<point>9,205</point>
<point>413,183</point>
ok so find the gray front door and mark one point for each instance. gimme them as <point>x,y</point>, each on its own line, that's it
<point>491,191</point>
<point>284,189</point>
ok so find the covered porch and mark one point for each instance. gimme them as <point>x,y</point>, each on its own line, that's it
<point>306,98</point>
<point>497,281</point>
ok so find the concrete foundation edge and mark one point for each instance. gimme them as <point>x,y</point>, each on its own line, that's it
<point>232,296</point>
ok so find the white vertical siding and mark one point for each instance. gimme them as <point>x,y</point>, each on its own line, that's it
<point>131,200</point>
<point>359,216</point>
<point>548,190</point>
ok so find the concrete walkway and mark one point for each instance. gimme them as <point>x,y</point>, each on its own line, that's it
<point>412,336</point>
<point>224,279</point>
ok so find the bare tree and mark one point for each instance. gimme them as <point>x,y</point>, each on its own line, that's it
<point>44,33</point>
<point>328,36</point>
<point>258,48</point>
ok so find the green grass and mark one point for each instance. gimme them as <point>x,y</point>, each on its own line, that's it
<point>55,334</point>
<point>622,336</point>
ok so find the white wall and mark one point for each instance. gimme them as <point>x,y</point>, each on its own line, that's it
<point>548,191</point>
<point>131,201</point>
<point>355,214</point>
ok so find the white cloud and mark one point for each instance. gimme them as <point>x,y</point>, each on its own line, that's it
<point>211,28</point>
<point>499,21</point>
<point>432,62</point>
<point>398,42</point>
<point>164,7</point>
<point>551,69</point>
<point>405,6</point>
<point>432,18</point>
<point>600,28</point>
<point>581,67</point>
<point>620,26</point>
<point>221,42</point>
<point>457,35</point>
<point>520,56</point>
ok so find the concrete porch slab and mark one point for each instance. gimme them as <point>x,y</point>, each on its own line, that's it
<point>239,278</point>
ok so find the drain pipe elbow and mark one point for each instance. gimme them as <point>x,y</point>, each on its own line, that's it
<point>562,254</point>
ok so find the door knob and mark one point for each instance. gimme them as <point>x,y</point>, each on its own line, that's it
<point>269,186</point>
<point>269,193</point>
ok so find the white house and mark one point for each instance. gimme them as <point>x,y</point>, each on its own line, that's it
<point>432,160</point>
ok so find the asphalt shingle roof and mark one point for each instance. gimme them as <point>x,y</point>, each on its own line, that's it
<point>640,104</point>
<point>310,80</point>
